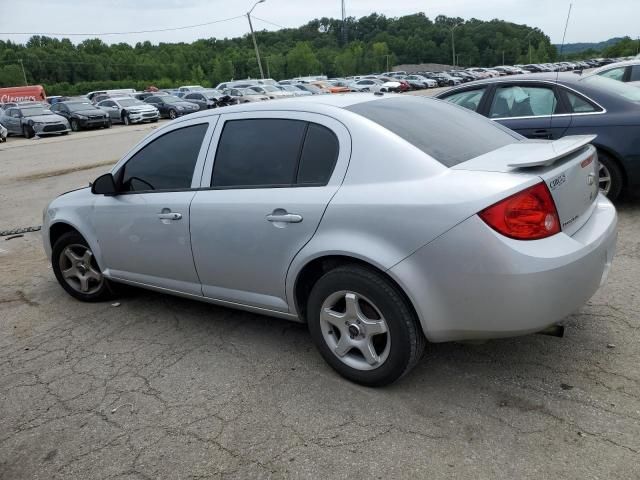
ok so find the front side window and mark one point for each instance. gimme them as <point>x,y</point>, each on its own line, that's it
<point>523,101</point>
<point>468,99</point>
<point>258,152</point>
<point>614,74</point>
<point>167,163</point>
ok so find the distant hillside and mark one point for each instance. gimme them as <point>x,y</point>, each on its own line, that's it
<point>570,48</point>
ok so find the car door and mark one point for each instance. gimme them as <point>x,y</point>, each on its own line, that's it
<point>143,231</point>
<point>264,191</point>
<point>528,108</point>
<point>15,121</point>
<point>110,107</point>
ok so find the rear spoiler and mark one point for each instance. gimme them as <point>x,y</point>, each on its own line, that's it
<point>531,153</point>
<point>526,154</point>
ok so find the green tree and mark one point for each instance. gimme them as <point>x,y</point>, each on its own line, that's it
<point>301,60</point>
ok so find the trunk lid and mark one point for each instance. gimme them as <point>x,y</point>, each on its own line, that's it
<point>568,166</point>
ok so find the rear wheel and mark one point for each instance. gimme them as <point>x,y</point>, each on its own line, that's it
<point>609,176</point>
<point>77,271</point>
<point>363,326</point>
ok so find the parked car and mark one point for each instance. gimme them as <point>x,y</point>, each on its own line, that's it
<point>332,88</point>
<point>296,90</point>
<point>312,89</point>
<point>325,246</point>
<point>204,98</point>
<point>551,106</point>
<point>82,115</point>
<point>271,91</point>
<point>33,119</point>
<point>245,95</point>
<point>366,85</point>
<point>172,107</point>
<point>426,82</point>
<point>118,92</point>
<point>144,95</point>
<point>3,134</point>
<point>190,88</point>
<point>128,110</point>
<point>627,71</point>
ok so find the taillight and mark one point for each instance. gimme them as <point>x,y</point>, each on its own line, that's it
<point>527,215</point>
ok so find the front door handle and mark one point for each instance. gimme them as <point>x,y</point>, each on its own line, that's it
<point>284,217</point>
<point>170,216</point>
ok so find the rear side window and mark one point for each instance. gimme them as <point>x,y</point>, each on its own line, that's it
<point>579,104</point>
<point>523,101</point>
<point>449,134</point>
<point>258,152</point>
<point>167,163</point>
<point>262,153</point>
<point>468,99</point>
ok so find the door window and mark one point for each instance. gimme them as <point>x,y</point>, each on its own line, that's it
<point>468,99</point>
<point>258,152</point>
<point>167,163</point>
<point>579,104</point>
<point>614,73</point>
<point>523,101</point>
<point>635,74</point>
<point>262,153</point>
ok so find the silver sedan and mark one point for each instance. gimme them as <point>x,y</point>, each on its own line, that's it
<point>384,222</point>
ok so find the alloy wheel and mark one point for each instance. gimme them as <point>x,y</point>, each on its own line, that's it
<point>604,179</point>
<point>79,269</point>
<point>172,114</point>
<point>355,330</point>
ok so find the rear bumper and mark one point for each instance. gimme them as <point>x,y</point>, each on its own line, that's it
<point>473,283</point>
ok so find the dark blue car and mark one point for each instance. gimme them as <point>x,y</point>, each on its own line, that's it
<point>550,106</point>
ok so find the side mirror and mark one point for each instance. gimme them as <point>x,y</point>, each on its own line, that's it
<point>104,185</point>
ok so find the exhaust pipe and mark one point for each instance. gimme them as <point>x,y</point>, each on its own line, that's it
<point>553,331</point>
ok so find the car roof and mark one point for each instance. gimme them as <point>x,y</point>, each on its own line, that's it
<point>609,66</point>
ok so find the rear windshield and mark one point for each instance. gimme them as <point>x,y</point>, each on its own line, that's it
<point>448,133</point>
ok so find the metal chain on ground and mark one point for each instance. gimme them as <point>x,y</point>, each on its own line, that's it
<point>16,231</point>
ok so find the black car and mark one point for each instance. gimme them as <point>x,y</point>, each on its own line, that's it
<point>170,106</point>
<point>553,105</point>
<point>82,115</point>
<point>144,95</point>
<point>204,98</point>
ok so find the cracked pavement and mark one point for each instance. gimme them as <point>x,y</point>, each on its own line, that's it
<point>163,387</point>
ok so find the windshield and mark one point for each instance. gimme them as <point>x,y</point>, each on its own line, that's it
<point>127,102</point>
<point>269,88</point>
<point>248,91</point>
<point>34,111</point>
<point>75,107</point>
<point>614,86</point>
<point>210,94</point>
<point>445,132</point>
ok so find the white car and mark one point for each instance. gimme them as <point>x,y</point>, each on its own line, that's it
<point>3,134</point>
<point>627,71</point>
<point>381,221</point>
<point>129,110</point>
<point>366,85</point>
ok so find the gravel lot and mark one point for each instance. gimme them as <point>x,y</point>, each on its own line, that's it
<point>162,387</point>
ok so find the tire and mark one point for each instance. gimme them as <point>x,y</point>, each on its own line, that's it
<point>610,170</point>
<point>154,120</point>
<point>381,306</point>
<point>108,124</point>
<point>98,288</point>
<point>28,132</point>
<point>74,125</point>
<point>172,114</point>
<point>125,119</point>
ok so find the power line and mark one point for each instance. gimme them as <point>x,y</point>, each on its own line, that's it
<point>58,34</point>
<point>269,22</point>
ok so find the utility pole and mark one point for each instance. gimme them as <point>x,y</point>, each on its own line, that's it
<point>253,35</point>
<point>268,71</point>
<point>453,44</point>
<point>528,37</point>
<point>344,25</point>
<point>387,62</point>
<point>502,57</point>
<point>24,75</point>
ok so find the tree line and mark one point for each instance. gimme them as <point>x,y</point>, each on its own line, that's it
<point>323,46</point>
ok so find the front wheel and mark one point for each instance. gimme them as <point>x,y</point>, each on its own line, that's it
<point>126,119</point>
<point>108,124</point>
<point>77,271</point>
<point>74,125</point>
<point>28,132</point>
<point>173,114</point>
<point>363,326</point>
<point>609,176</point>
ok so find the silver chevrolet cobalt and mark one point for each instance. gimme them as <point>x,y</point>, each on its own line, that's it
<point>381,221</point>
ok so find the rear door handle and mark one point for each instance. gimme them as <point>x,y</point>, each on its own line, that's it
<point>170,216</point>
<point>541,134</point>
<point>285,218</point>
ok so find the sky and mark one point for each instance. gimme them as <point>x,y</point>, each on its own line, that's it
<point>591,20</point>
